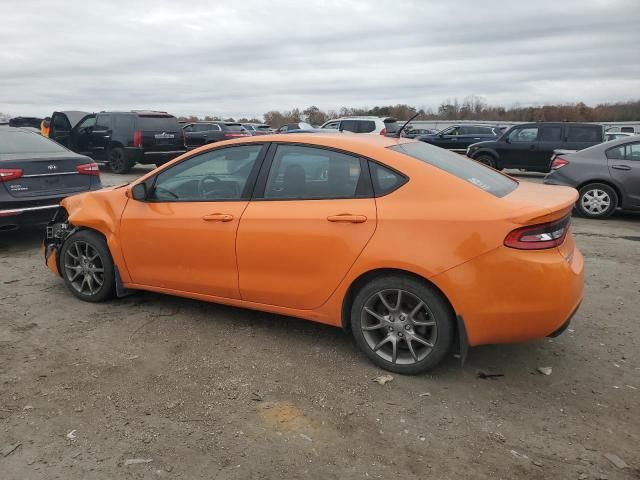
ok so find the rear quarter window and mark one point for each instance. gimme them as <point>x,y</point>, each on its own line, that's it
<point>464,168</point>
<point>584,134</point>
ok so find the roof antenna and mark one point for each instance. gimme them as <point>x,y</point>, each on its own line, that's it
<point>406,123</point>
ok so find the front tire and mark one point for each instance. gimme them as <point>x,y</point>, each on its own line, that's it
<point>87,267</point>
<point>118,161</point>
<point>402,324</point>
<point>597,200</point>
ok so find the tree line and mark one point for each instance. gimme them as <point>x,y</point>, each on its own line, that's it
<point>470,108</point>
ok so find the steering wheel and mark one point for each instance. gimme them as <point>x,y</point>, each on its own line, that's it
<point>202,189</point>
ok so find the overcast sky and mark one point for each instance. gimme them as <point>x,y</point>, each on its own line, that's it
<point>245,58</point>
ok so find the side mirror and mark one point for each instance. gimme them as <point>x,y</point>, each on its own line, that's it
<point>139,192</point>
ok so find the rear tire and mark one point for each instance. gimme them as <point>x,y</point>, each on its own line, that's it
<point>402,325</point>
<point>118,161</point>
<point>87,267</point>
<point>597,200</point>
<point>488,160</point>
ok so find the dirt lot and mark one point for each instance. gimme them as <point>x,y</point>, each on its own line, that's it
<point>193,390</point>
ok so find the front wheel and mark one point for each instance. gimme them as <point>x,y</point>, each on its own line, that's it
<point>402,324</point>
<point>87,267</point>
<point>597,200</point>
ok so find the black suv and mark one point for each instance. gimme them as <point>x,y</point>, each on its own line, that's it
<point>120,139</point>
<point>530,146</point>
<point>459,137</point>
<point>202,133</point>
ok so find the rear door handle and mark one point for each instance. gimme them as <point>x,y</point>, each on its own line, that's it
<point>347,218</point>
<point>218,217</point>
<point>621,167</point>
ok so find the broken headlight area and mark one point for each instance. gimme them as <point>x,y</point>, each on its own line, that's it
<point>58,230</point>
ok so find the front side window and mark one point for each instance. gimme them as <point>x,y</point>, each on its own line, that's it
<point>527,134</point>
<point>452,131</point>
<point>103,121</point>
<point>211,176</point>
<point>87,122</point>
<point>312,173</point>
<point>332,125</point>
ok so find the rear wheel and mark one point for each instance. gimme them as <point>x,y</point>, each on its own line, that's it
<point>487,160</point>
<point>118,161</point>
<point>402,324</point>
<point>87,267</point>
<point>597,200</point>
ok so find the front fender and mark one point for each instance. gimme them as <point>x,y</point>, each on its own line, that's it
<point>101,211</point>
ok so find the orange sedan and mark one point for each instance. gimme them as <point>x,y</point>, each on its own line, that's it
<point>415,250</point>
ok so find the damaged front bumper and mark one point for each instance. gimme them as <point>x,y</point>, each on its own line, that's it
<point>58,230</point>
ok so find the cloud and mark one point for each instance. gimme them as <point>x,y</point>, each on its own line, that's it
<point>245,58</point>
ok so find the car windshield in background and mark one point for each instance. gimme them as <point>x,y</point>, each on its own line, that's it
<point>464,168</point>
<point>167,124</point>
<point>19,141</point>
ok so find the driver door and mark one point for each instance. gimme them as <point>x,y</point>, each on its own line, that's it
<point>81,135</point>
<point>183,236</point>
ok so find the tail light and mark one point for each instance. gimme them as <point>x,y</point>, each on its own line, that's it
<point>7,174</point>
<point>137,139</point>
<point>236,135</point>
<point>383,131</point>
<point>559,162</point>
<point>88,169</point>
<point>539,237</point>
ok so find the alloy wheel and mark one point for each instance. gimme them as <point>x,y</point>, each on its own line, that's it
<point>398,326</point>
<point>595,202</point>
<point>84,268</point>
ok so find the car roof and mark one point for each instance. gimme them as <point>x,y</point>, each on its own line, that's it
<point>339,140</point>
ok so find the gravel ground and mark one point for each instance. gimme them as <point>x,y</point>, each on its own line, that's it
<point>152,386</point>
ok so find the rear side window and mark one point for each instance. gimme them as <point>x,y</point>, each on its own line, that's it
<point>583,134</point>
<point>551,134</point>
<point>234,128</point>
<point>627,129</point>
<point>350,126</point>
<point>19,141</point>
<point>630,151</point>
<point>366,126</point>
<point>312,173</point>
<point>124,122</point>
<point>384,179</point>
<point>158,123</point>
<point>464,168</point>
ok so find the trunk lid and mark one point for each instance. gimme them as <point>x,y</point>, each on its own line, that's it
<point>46,174</point>
<point>532,203</point>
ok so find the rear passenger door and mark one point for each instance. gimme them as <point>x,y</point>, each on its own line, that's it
<point>101,136</point>
<point>311,216</point>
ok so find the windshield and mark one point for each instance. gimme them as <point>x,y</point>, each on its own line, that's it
<point>20,141</point>
<point>464,168</point>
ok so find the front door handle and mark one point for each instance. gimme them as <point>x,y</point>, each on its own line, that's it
<point>218,217</point>
<point>347,218</point>
<point>621,167</point>
<point>532,147</point>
